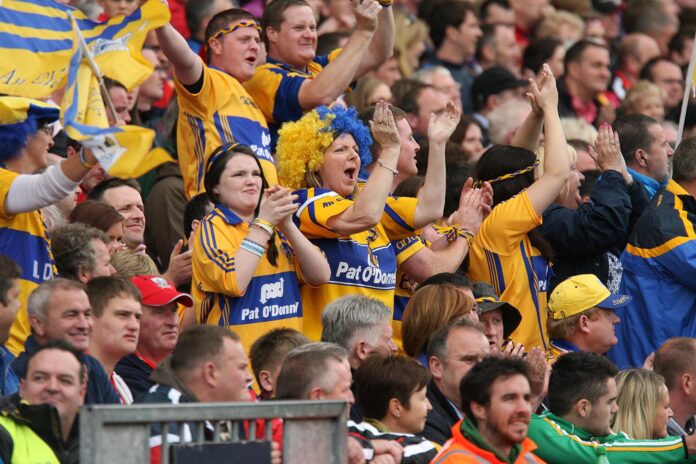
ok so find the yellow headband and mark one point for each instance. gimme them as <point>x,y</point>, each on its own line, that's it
<point>243,23</point>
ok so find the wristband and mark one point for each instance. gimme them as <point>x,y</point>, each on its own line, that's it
<point>263,225</point>
<point>252,247</point>
<point>393,171</point>
<point>385,3</point>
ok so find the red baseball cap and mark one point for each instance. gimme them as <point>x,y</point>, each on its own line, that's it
<point>157,291</point>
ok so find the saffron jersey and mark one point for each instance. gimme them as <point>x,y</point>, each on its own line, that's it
<point>503,256</point>
<point>363,263</point>
<point>24,239</point>
<point>272,298</point>
<point>405,286</point>
<point>221,112</point>
<point>275,87</point>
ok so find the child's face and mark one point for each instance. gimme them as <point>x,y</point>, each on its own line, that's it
<point>652,106</point>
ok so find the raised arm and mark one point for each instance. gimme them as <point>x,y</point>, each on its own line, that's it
<point>188,66</point>
<point>382,45</point>
<point>431,198</point>
<point>556,162</point>
<point>527,136</point>
<point>333,80</point>
<point>30,192</point>
<point>368,207</point>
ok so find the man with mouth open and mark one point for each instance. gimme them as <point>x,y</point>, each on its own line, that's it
<point>496,399</point>
<point>294,79</point>
<point>214,108</point>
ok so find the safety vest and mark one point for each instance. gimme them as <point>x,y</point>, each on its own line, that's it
<point>459,450</point>
<point>28,448</point>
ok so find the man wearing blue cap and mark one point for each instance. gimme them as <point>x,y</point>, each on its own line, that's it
<point>581,316</point>
<point>25,137</point>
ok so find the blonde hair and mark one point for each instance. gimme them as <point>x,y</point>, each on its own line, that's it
<point>130,264</point>
<point>360,96</point>
<point>408,32</point>
<point>579,129</point>
<point>552,25</point>
<point>641,89</point>
<point>563,329</point>
<point>572,158</point>
<point>638,400</point>
<point>429,309</point>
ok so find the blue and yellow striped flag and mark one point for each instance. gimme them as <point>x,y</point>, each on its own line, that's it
<point>123,151</point>
<point>36,44</point>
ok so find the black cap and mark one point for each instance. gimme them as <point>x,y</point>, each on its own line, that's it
<point>493,81</point>
<point>606,6</point>
<point>487,300</point>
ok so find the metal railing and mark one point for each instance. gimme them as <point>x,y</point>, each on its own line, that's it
<point>313,431</point>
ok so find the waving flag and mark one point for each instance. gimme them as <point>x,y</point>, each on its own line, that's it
<point>36,43</point>
<point>123,151</point>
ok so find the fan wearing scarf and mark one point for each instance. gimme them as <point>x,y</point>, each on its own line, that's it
<point>321,155</point>
<point>26,134</point>
<point>249,258</point>
<point>508,252</point>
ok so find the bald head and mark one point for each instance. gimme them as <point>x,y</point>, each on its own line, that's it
<point>634,51</point>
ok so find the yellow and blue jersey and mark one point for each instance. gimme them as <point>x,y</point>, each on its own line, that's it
<point>221,112</point>
<point>503,256</point>
<point>275,87</point>
<point>272,298</point>
<point>405,286</point>
<point>23,238</point>
<point>363,263</point>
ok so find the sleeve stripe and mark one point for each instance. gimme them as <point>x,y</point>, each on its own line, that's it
<point>396,218</point>
<point>311,200</point>
<point>216,256</point>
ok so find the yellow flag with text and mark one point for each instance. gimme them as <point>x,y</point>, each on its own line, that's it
<point>36,44</point>
<point>123,151</point>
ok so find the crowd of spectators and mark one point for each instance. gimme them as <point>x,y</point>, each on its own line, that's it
<point>473,221</point>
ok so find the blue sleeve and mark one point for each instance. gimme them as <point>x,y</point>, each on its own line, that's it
<point>680,263</point>
<point>286,105</point>
<point>593,228</point>
<point>99,388</point>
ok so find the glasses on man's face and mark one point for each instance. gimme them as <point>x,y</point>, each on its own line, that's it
<point>47,128</point>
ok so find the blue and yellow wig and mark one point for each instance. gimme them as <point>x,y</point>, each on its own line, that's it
<point>20,118</point>
<point>301,144</point>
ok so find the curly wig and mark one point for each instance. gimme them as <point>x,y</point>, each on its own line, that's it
<point>301,144</point>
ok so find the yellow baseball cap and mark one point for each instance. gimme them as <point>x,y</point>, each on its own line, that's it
<point>580,293</point>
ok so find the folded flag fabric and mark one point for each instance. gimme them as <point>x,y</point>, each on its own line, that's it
<point>36,43</point>
<point>123,151</point>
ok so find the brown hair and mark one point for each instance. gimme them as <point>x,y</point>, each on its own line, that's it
<point>96,214</point>
<point>429,309</point>
<point>101,290</point>
<point>383,377</point>
<point>271,348</point>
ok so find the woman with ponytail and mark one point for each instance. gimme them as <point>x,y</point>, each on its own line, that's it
<point>509,252</point>
<point>248,257</point>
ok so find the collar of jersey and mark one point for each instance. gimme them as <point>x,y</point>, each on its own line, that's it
<point>285,66</point>
<point>228,215</point>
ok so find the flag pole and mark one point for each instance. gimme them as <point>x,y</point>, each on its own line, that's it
<point>95,69</point>
<point>688,86</point>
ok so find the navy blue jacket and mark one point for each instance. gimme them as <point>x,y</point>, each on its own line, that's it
<point>581,238</point>
<point>99,388</point>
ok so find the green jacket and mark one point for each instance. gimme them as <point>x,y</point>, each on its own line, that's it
<point>560,442</point>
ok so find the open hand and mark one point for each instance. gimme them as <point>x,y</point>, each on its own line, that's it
<point>441,126</point>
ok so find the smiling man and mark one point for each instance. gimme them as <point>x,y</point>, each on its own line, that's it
<point>214,108</point>
<point>498,411</point>
<point>39,423</point>
<point>294,79</point>
<point>59,310</point>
